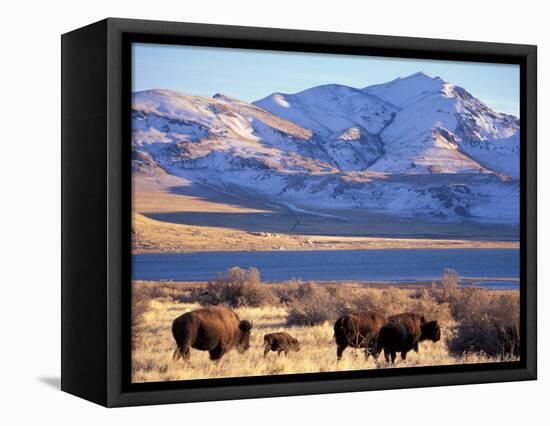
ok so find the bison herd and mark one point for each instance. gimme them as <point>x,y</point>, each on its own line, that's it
<point>373,332</point>
<point>217,330</point>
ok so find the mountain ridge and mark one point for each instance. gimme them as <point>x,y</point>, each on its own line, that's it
<point>333,145</point>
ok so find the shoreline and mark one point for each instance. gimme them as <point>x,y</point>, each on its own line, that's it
<point>476,282</point>
<point>265,243</point>
<point>181,220</point>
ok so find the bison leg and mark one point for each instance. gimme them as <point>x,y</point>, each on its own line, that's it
<point>286,352</point>
<point>376,351</point>
<point>181,352</point>
<point>339,351</point>
<point>372,349</point>
<point>403,356</point>
<point>393,356</point>
<point>368,351</point>
<point>415,347</point>
<point>266,350</point>
<point>217,353</point>
<point>387,355</point>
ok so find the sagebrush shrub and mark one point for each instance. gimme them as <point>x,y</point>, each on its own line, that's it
<point>313,304</point>
<point>140,303</point>
<point>486,321</point>
<point>238,287</point>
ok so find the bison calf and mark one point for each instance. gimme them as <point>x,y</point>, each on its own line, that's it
<point>359,330</point>
<point>403,332</point>
<point>214,329</point>
<point>280,342</point>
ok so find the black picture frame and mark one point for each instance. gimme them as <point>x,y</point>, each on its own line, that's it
<point>96,206</point>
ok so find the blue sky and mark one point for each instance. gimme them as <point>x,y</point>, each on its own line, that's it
<point>253,74</point>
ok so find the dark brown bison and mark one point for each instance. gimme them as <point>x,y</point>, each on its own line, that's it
<point>280,342</point>
<point>358,330</point>
<point>403,332</point>
<point>394,337</point>
<point>214,329</point>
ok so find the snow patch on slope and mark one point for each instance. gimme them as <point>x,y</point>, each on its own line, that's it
<point>330,109</point>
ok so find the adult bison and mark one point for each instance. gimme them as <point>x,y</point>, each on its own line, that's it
<point>214,329</point>
<point>394,337</point>
<point>280,342</point>
<point>358,330</point>
<point>403,332</point>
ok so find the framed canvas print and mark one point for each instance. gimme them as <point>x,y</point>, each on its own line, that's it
<point>253,212</point>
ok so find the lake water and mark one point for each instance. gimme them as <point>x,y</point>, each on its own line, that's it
<point>397,265</point>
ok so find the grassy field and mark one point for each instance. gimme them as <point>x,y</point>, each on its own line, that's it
<point>302,309</point>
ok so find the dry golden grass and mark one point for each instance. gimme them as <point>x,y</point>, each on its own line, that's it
<point>152,356</point>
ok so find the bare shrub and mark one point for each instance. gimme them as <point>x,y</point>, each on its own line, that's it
<point>451,279</point>
<point>424,303</point>
<point>195,294</point>
<point>486,321</point>
<point>449,288</point>
<point>289,291</point>
<point>313,304</point>
<point>140,304</point>
<point>179,292</point>
<point>238,287</point>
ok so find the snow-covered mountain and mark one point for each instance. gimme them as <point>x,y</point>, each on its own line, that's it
<point>414,146</point>
<point>443,127</point>
<point>346,121</point>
